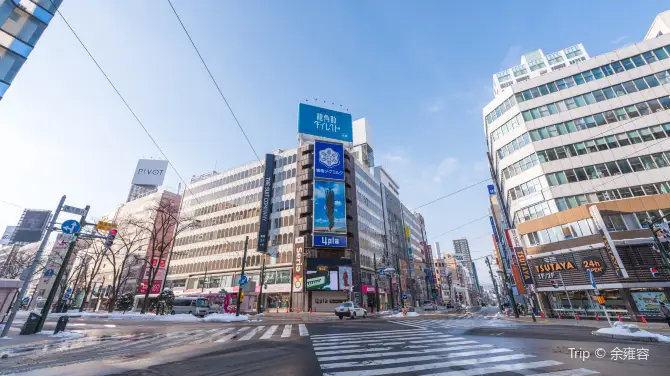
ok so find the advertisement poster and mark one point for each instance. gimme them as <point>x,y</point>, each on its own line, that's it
<point>345,277</point>
<point>329,207</point>
<point>322,278</point>
<point>321,122</point>
<point>649,302</point>
<point>328,161</point>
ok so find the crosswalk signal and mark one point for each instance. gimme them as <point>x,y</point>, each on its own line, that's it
<point>242,296</point>
<point>654,272</point>
<point>554,284</point>
<point>110,238</point>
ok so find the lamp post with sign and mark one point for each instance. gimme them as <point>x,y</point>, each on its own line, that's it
<point>560,276</point>
<point>592,281</point>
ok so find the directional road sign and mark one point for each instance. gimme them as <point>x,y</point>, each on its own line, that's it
<point>243,280</point>
<point>73,210</point>
<point>68,290</point>
<point>404,296</point>
<point>26,299</point>
<point>49,273</point>
<point>70,227</point>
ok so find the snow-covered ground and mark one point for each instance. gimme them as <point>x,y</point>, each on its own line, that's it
<point>65,335</point>
<point>226,317</point>
<point>409,314</point>
<point>631,330</point>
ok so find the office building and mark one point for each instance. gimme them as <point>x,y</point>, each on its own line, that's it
<point>21,26</point>
<point>581,167</point>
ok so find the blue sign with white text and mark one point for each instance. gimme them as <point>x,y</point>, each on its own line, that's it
<point>492,189</point>
<point>493,227</point>
<point>328,161</point>
<point>330,240</point>
<point>325,123</point>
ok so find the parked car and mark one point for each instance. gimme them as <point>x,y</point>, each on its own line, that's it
<point>350,309</point>
<point>429,306</point>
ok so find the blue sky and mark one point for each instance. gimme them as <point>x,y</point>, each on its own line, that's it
<point>420,74</point>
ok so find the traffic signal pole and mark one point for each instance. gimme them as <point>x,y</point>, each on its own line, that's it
<point>59,275</point>
<point>244,264</point>
<point>28,276</point>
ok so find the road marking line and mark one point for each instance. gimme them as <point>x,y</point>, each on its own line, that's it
<point>251,333</point>
<point>568,372</point>
<point>231,335</point>
<point>287,331</point>
<point>422,367</point>
<point>348,334</point>
<point>317,348</point>
<point>268,333</point>
<point>498,368</point>
<point>381,362</point>
<point>348,340</point>
<point>382,335</point>
<point>352,351</point>
<point>303,330</point>
<point>218,332</point>
<point>396,353</point>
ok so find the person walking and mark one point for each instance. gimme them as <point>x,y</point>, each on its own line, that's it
<point>665,311</point>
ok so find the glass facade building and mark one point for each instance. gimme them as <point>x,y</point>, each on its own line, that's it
<point>22,23</point>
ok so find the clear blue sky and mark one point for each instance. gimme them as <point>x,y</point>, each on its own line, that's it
<point>420,74</point>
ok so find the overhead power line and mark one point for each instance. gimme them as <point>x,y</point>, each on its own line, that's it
<point>211,76</point>
<point>452,193</point>
<point>11,204</point>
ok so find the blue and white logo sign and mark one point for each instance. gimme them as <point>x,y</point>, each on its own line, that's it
<point>328,161</point>
<point>244,280</point>
<point>404,296</point>
<point>322,122</point>
<point>492,189</point>
<point>26,299</point>
<point>330,241</point>
<point>49,273</point>
<point>70,227</point>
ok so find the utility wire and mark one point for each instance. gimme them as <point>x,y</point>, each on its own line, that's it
<point>11,204</point>
<point>211,76</point>
<point>450,194</point>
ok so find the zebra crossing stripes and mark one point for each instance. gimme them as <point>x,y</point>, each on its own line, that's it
<point>433,323</point>
<point>396,352</point>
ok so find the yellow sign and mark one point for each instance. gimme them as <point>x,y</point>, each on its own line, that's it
<point>407,232</point>
<point>105,226</point>
<point>553,267</point>
<point>601,299</point>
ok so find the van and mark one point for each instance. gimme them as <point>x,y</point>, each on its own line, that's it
<point>193,306</point>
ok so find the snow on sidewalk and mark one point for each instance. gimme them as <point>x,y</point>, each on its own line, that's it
<point>632,331</point>
<point>64,335</point>
<point>225,317</point>
<point>183,317</point>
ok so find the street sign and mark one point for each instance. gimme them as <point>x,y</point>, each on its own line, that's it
<point>381,272</point>
<point>592,279</point>
<point>66,296</point>
<point>105,226</point>
<point>73,210</point>
<point>404,296</point>
<point>244,280</point>
<point>70,227</point>
<point>68,290</point>
<point>26,299</point>
<point>49,273</point>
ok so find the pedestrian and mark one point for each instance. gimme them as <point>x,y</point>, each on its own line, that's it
<point>665,311</point>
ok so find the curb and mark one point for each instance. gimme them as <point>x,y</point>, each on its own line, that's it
<point>630,338</point>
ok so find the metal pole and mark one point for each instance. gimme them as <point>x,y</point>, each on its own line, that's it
<point>59,275</point>
<point>495,287</point>
<point>374,258</point>
<point>29,274</point>
<point>260,293</point>
<point>391,288</point>
<point>566,291</point>
<point>244,264</point>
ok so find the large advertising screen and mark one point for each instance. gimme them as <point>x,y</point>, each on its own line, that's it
<point>321,122</point>
<point>329,207</point>
<point>31,226</point>
<point>328,161</point>
<point>150,172</point>
<point>322,278</point>
<point>345,278</point>
<point>649,302</point>
<point>328,274</point>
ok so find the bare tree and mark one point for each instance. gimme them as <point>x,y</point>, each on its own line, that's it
<point>163,225</point>
<point>19,260</point>
<point>93,257</point>
<point>131,238</point>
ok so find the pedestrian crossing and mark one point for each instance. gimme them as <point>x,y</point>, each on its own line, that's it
<point>451,324</point>
<point>424,351</point>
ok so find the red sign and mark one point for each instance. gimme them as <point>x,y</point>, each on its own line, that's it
<point>155,288</point>
<point>154,261</point>
<point>368,289</point>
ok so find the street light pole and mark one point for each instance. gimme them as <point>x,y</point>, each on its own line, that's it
<point>244,264</point>
<point>566,290</point>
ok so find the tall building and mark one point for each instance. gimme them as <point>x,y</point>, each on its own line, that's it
<point>462,253</point>
<point>21,26</point>
<point>580,163</point>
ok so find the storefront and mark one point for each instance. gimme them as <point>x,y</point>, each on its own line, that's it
<point>325,301</point>
<point>277,296</point>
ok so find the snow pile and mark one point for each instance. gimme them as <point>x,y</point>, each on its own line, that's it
<point>409,314</point>
<point>66,335</point>
<point>182,317</point>
<point>11,328</point>
<point>225,317</point>
<point>631,330</point>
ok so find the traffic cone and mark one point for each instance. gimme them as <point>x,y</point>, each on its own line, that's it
<point>597,317</point>
<point>644,321</point>
<point>577,316</point>
<point>310,310</point>
<point>619,315</point>
<point>277,309</point>
<point>542,314</point>
<point>286,309</point>
<point>559,316</point>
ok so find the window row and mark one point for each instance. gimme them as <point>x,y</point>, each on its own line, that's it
<point>514,145</point>
<point>282,205</point>
<point>279,176</point>
<point>595,120</point>
<point>509,126</point>
<point>228,179</point>
<point>20,24</point>
<point>623,166</point>
<point>244,187</point>
<point>594,74</point>
<point>249,228</point>
<point>10,63</point>
<point>230,217</point>
<point>232,263</point>
<point>525,189</point>
<point>215,249</point>
<point>283,189</point>
<point>283,161</point>
<point>225,205</point>
<point>281,239</point>
<point>504,107</point>
<point>590,146</point>
<point>611,92</point>
<point>280,222</point>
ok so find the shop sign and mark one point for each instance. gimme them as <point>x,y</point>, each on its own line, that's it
<point>595,264</point>
<point>298,264</point>
<point>649,301</point>
<point>610,248</point>
<point>264,219</point>
<point>523,266</point>
<point>555,266</point>
<point>368,289</point>
<point>518,280</point>
<point>546,276</point>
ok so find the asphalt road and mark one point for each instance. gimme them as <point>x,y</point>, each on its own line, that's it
<point>421,346</point>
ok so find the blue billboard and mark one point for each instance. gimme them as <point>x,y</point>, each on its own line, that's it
<point>328,161</point>
<point>322,122</point>
<point>325,240</point>
<point>329,207</point>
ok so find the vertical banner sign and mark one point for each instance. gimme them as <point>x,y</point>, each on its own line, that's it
<point>514,242</point>
<point>610,248</point>
<point>298,272</point>
<point>266,200</point>
<point>493,227</point>
<point>492,189</point>
<point>409,244</point>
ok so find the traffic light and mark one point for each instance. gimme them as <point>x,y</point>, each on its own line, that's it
<point>654,272</point>
<point>242,296</point>
<point>554,284</point>
<point>601,299</point>
<point>110,238</point>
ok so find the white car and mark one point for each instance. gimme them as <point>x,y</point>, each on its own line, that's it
<point>429,306</point>
<point>350,309</point>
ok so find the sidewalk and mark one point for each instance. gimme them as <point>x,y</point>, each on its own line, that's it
<point>602,323</point>
<point>14,340</point>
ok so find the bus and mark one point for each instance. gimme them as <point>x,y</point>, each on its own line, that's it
<point>191,305</point>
